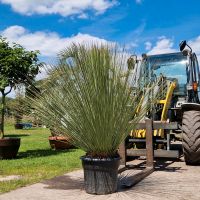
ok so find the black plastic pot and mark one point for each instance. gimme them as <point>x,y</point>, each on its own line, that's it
<point>9,148</point>
<point>100,175</point>
<point>19,126</point>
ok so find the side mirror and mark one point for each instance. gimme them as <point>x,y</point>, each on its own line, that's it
<point>182,45</point>
<point>185,52</point>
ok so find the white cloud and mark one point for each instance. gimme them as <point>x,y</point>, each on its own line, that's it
<point>163,45</point>
<point>148,45</point>
<point>42,73</point>
<point>61,7</point>
<point>131,45</point>
<point>83,16</point>
<point>138,1</point>
<point>48,43</point>
<point>195,44</point>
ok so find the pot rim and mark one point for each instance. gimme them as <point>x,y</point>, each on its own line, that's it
<point>89,158</point>
<point>58,138</point>
<point>10,138</point>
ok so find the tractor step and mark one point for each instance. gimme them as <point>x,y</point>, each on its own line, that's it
<point>144,140</point>
<point>160,153</point>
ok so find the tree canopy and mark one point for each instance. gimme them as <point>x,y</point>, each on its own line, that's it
<point>17,65</point>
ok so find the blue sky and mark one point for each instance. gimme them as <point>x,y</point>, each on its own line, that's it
<point>141,25</point>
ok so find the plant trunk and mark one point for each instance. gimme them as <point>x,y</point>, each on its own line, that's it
<point>2,113</point>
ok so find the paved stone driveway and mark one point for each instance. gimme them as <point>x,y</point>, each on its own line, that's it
<point>170,181</point>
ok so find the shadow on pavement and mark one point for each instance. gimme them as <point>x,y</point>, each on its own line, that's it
<point>64,182</point>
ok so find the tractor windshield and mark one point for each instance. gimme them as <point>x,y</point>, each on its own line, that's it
<point>172,66</point>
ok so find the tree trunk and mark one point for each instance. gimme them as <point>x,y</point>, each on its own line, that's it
<point>2,113</point>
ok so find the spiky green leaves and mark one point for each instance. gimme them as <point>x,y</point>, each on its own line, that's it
<point>88,98</point>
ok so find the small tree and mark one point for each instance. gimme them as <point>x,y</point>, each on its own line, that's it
<point>17,66</point>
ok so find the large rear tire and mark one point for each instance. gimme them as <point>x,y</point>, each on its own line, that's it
<point>191,137</point>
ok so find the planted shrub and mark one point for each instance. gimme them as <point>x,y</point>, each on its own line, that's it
<point>88,96</point>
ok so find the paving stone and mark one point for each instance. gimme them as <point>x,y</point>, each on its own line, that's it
<point>171,181</point>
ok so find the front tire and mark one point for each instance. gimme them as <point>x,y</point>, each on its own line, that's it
<point>191,137</point>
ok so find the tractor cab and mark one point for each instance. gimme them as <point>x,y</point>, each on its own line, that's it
<point>173,67</point>
<point>181,68</point>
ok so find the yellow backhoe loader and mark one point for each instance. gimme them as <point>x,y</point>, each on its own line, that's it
<point>177,100</point>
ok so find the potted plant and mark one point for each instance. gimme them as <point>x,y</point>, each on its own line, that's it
<point>58,141</point>
<point>90,99</point>
<point>17,66</point>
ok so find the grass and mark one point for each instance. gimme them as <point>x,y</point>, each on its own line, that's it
<point>36,161</point>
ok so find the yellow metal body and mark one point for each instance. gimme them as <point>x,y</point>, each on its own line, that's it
<point>166,104</point>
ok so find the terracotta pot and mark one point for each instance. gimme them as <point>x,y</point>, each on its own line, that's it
<point>60,142</point>
<point>9,148</point>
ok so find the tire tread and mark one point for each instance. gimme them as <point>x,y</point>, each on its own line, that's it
<point>191,137</point>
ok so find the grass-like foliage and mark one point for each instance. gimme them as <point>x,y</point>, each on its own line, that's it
<point>88,97</point>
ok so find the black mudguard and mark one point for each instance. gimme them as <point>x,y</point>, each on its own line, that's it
<point>190,106</point>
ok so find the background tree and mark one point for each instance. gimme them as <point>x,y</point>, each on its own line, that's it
<point>17,66</point>
<point>34,91</point>
<point>8,107</point>
<point>19,105</point>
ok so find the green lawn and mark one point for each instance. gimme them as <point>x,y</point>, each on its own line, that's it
<point>36,161</point>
